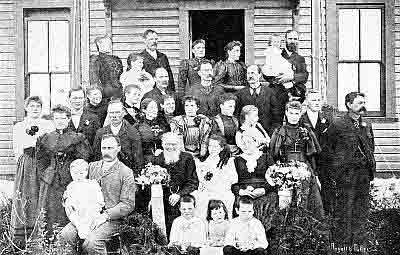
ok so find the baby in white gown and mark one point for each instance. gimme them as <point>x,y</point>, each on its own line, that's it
<point>84,197</point>
<point>275,64</point>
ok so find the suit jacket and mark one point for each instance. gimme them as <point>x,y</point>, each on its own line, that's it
<point>299,67</point>
<point>183,174</point>
<point>131,146</point>
<point>267,104</point>
<point>88,125</point>
<point>349,148</point>
<point>208,99</point>
<point>150,65</point>
<point>320,129</point>
<point>157,95</point>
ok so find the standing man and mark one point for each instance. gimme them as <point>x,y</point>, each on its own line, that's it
<point>82,121</point>
<point>161,89</point>
<point>349,156</point>
<point>182,169</point>
<point>118,187</point>
<point>206,91</point>
<point>153,59</point>
<point>105,69</point>
<point>260,96</point>
<point>131,145</point>
<point>295,87</point>
<point>189,68</point>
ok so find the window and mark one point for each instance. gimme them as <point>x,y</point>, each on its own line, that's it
<point>48,56</point>
<point>361,65</point>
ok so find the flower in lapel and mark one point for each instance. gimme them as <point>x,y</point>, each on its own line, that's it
<point>323,120</point>
<point>87,122</point>
<point>363,124</point>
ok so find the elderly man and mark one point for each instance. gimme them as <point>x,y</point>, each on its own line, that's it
<point>207,92</point>
<point>82,121</point>
<point>118,187</point>
<point>131,146</point>
<point>153,59</point>
<point>349,159</point>
<point>260,96</point>
<point>182,169</point>
<point>105,69</point>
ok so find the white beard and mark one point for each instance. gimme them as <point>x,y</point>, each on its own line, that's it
<point>171,157</point>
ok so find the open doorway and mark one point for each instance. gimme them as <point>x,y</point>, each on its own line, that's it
<point>217,28</point>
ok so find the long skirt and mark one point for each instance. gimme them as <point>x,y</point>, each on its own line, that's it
<point>309,196</point>
<point>25,197</point>
<point>51,204</point>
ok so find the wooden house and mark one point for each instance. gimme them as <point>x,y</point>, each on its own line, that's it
<point>348,45</point>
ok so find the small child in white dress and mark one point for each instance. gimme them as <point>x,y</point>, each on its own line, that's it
<point>218,224</point>
<point>275,64</point>
<point>83,197</point>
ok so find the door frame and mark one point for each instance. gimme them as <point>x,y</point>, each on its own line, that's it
<point>184,22</point>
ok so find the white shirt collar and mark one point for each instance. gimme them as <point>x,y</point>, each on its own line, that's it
<point>257,90</point>
<point>313,117</point>
<point>115,130</point>
<point>152,53</point>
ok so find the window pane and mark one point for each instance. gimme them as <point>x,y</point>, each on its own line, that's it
<point>347,82</point>
<point>371,34</point>
<point>370,84</point>
<point>37,46</point>
<point>348,34</point>
<point>39,85</point>
<point>59,46</point>
<point>60,85</point>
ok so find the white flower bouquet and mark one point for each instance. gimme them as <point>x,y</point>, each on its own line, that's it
<point>153,174</point>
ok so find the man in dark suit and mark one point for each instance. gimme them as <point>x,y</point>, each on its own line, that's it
<point>82,121</point>
<point>260,96</point>
<point>161,88</point>
<point>153,59</point>
<point>349,156</point>
<point>319,122</point>
<point>294,88</point>
<point>105,69</point>
<point>131,145</point>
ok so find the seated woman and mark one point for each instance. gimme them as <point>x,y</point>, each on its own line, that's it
<point>216,175</point>
<point>195,128</point>
<point>135,74</point>
<point>252,128</point>
<point>251,166</point>
<point>231,73</point>
<point>292,142</point>
<point>151,126</point>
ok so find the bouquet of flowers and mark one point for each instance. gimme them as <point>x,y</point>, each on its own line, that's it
<point>153,174</point>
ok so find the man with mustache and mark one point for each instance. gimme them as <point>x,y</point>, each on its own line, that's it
<point>182,169</point>
<point>154,59</point>
<point>207,92</point>
<point>118,186</point>
<point>291,85</point>
<point>260,96</point>
<point>131,145</point>
<point>349,160</point>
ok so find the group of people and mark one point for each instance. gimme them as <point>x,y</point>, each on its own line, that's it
<point>216,132</point>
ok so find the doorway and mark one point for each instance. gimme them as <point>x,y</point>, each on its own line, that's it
<point>217,28</point>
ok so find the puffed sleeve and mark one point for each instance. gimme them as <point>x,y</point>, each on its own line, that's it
<point>94,68</point>
<point>230,172</point>
<point>220,71</point>
<point>83,149</point>
<point>276,143</point>
<point>192,181</point>
<point>18,140</point>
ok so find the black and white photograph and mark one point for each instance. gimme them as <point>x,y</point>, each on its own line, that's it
<point>200,127</point>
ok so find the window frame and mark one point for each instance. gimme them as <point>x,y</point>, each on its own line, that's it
<point>388,54</point>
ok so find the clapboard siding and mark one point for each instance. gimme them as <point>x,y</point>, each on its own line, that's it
<point>397,55</point>
<point>304,26</point>
<point>7,84</point>
<point>97,24</point>
<point>128,26</point>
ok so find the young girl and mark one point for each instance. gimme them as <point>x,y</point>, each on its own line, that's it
<point>217,219</point>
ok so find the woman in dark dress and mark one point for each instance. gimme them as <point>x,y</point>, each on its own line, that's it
<point>292,142</point>
<point>231,73</point>
<point>251,166</point>
<point>151,127</point>
<point>55,151</point>
<point>26,183</point>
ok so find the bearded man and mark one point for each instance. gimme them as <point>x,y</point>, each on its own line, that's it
<point>350,162</point>
<point>182,169</point>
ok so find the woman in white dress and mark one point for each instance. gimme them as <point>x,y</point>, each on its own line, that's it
<point>252,128</point>
<point>216,175</point>
<point>26,183</point>
<point>135,74</point>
